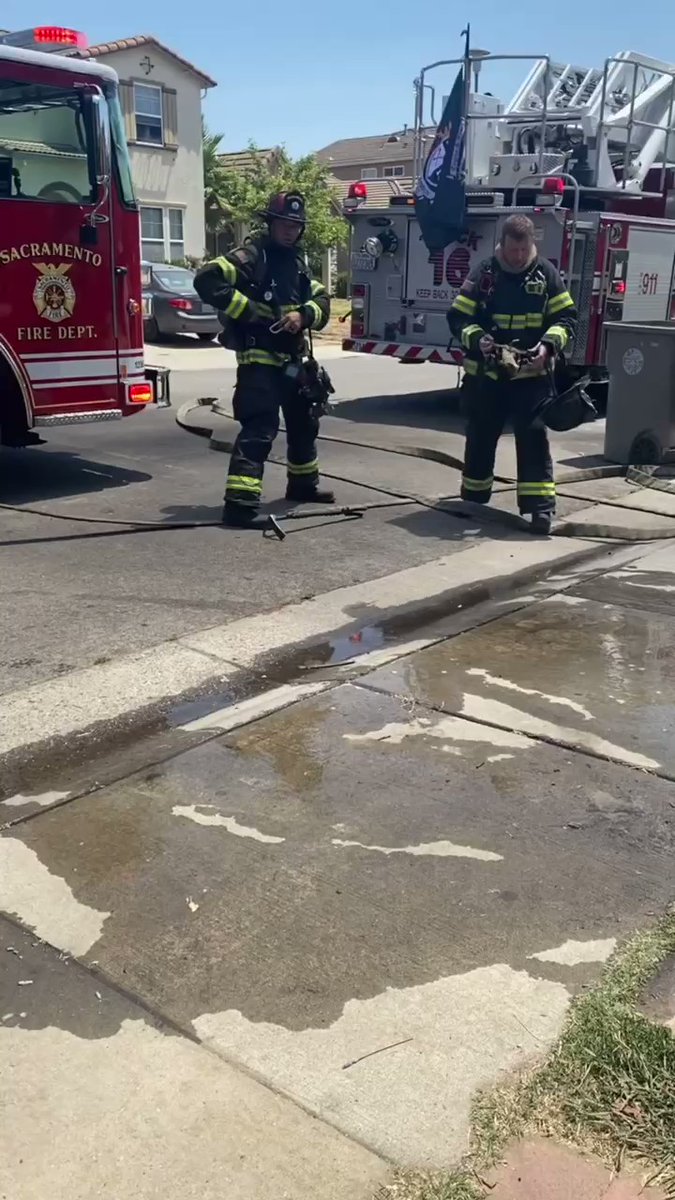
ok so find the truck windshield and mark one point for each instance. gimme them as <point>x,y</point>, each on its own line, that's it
<point>120,150</point>
<point>45,151</point>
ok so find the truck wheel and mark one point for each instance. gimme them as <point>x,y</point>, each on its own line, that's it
<point>14,429</point>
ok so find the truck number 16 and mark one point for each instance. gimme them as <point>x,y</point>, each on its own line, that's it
<point>649,284</point>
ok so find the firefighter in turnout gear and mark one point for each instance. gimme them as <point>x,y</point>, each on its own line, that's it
<point>514,299</point>
<point>266,301</point>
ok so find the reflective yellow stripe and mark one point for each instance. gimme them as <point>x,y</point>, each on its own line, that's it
<point>560,334</point>
<point>316,311</point>
<point>558,303</point>
<point>464,305</point>
<point>236,306</point>
<point>317,289</point>
<point>261,358</point>
<point>468,332</point>
<point>303,468</point>
<point>228,269</point>
<point>536,489</point>
<point>266,310</point>
<point>472,368</point>
<point>244,483</point>
<point>477,485</point>
<point>518,320</point>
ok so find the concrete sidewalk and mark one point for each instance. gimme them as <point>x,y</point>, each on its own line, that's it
<point>322,929</point>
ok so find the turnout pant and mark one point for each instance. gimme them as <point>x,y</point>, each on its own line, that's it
<point>489,406</point>
<point>260,392</point>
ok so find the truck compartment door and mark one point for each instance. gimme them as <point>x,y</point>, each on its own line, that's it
<point>649,277</point>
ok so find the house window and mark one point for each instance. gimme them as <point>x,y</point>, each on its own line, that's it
<point>393,172</point>
<point>152,234</point>
<point>148,113</point>
<point>162,235</point>
<point>369,172</point>
<point>176,239</point>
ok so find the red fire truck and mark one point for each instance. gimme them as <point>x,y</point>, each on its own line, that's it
<point>588,153</point>
<point>71,325</point>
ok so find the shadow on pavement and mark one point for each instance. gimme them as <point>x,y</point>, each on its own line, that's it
<point>32,475</point>
<point>428,410</point>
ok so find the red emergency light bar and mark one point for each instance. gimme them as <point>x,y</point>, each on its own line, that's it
<point>57,35</point>
<point>47,37</point>
<point>357,191</point>
<point>553,185</point>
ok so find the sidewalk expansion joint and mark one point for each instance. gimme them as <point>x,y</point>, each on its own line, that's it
<point>541,738</point>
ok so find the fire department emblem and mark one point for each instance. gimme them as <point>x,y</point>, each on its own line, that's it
<point>53,294</point>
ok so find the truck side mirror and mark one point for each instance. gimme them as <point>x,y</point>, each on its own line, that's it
<point>97,121</point>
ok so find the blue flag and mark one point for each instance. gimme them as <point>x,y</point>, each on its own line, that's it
<point>440,192</point>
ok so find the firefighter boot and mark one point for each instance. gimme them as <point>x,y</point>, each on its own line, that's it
<point>541,522</point>
<point>239,516</point>
<point>302,491</point>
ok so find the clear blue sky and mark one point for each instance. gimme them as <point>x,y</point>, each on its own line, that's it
<point>284,77</point>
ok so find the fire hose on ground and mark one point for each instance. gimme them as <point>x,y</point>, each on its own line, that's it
<point>644,476</point>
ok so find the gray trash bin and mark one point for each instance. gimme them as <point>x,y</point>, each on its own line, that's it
<point>640,424</point>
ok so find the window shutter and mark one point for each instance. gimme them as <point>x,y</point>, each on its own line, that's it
<point>170,98</point>
<point>128,110</point>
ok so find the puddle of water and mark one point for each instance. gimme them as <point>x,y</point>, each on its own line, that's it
<point>352,645</point>
<point>203,706</point>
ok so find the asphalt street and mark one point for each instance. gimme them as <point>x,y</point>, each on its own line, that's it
<point>73,594</point>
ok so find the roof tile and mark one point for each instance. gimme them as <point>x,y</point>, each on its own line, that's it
<point>145,39</point>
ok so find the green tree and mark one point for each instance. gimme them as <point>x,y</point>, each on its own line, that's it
<point>247,192</point>
<point>215,206</point>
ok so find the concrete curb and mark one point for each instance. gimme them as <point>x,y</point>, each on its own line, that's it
<point>66,705</point>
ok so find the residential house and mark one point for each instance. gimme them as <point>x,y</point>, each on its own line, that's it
<point>161,95</point>
<point>383,162</point>
<point>382,157</point>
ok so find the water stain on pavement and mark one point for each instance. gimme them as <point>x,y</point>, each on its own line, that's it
<point>612,668</point>
<point>290,927</point>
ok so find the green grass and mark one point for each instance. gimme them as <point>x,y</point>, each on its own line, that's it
<point>609,1084</point>
<point>607,1087</point>
<point>453,1185</point>
<point>335,331</point>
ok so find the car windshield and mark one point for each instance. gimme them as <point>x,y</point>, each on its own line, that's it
<point>175,279</point>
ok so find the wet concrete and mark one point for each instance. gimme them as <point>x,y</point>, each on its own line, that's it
<point>582,672</point>
<point>337,872</point>
<point>651,591</point>
<point>381,897</point>
<point>114,749</point>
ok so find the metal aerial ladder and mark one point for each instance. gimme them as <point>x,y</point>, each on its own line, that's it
<point>608,127</point>
<point>614,124</point>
